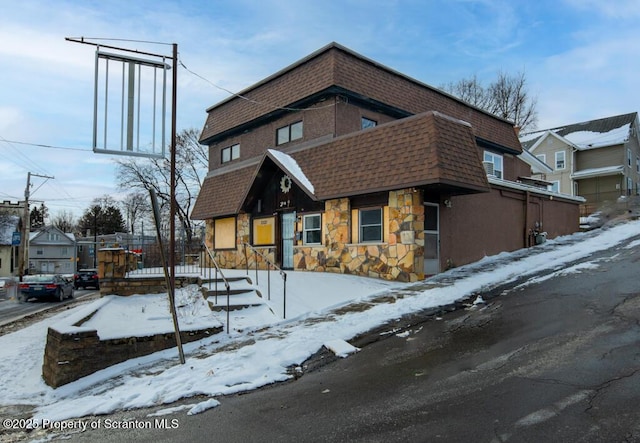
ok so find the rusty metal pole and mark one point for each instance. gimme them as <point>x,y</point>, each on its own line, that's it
<point>172,210</point>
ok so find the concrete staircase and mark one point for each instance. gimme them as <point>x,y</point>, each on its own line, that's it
<point>242,294</point>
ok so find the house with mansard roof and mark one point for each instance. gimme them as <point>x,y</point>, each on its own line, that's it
<point>596,159</point>
<point>340,164</point>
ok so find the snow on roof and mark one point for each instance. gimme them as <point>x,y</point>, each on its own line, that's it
<point>530,136</point>
<point>598,172</point>
<point>591,140</point>
<point>293,168</point>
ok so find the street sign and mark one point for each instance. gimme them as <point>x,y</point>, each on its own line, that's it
<point>16,239</point>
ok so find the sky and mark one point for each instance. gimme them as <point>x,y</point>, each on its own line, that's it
<point>261,346</point>
<point>579,58</point>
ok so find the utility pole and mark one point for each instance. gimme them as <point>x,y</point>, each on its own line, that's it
<point>26,223</point>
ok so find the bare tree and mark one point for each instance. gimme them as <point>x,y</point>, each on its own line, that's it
<point>469,90</point>
<point>135,206</point>
<point>507,97</point>
<point>65,221</point>
<point>191,168</point>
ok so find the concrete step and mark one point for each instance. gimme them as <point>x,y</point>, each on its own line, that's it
<point>236,301</point>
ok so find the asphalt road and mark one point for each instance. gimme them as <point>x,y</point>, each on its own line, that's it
<point>11,310</point>
<point>556,361</point>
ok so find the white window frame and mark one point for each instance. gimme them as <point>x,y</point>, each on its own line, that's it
<point>362,227</point>
<point>498,163</point>
<point>306,229</point>
<point>559,154</point>
<point>542,158</point>
<point>230,153</point>
<point>629,155</point>
<point>555,187</point>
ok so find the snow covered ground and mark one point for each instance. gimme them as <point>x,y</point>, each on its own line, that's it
<point>261,347</point>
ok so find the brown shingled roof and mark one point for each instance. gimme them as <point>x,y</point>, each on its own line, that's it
<point>422,150</point>
<point>335,65</point>
<point>221,194</point>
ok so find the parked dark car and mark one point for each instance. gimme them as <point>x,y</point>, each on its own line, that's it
<point>46,286</point>
<point>85,278</point>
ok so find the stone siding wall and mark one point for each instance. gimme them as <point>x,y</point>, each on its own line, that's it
<point>235,258</point>
<point>399,257</point>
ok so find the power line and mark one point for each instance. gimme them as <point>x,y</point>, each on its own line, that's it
<point>43,145</point>
<point>257,102</point>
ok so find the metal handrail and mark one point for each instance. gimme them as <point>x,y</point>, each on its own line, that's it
<point>269,265</point>
<point>224,279</point>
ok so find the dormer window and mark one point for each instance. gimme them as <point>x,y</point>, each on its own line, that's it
<point>493,164</point>
<point>230,153</point>
<point>289,133</point>
<point>366,123</point>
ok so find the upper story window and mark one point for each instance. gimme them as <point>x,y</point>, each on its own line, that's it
<point>493,164</point>
<point>230,153</point>
<point>637,164</point>
<point>560,160</point>
<point>542,157</point>
<point>366,123</point>
<point>312,230</point>
<point>628,157</point>
<point>52,236</point>
<point>289,133</point>
<point>370,225</point>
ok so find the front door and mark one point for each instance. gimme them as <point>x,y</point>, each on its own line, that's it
<point>288,230</point>
<point>431,239</point>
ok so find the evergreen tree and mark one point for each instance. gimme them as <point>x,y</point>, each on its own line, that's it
<point>38,217</point>
<point>103,217</point>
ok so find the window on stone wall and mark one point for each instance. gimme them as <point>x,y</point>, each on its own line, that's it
<point>224,233</point>
<point>289,133</point>
<point>312,229</point>
<point>370,225</point>
<point>264,232</point>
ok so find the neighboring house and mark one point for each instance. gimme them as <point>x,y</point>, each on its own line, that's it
<point>52,251</point>
<point>598,159</point>
<point>339,164</point>
<point>8,251</point>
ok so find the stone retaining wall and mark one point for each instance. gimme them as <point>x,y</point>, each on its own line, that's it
<point>141,285</point>
<point>69,356</point>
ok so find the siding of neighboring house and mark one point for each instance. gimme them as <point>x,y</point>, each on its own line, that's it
<point>52,251</point>
<point>605,163</point>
